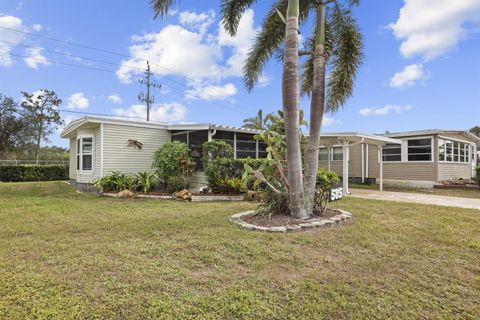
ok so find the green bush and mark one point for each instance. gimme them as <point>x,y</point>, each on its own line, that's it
<point>477,174</point>
<point>23,173</point>
<point>146,181</point>
<point>116,181</point>
<point>216,149</point>
<point>175,183</point>
<point>325,182</point>
<point>172,160</point>
<point>221,169</point>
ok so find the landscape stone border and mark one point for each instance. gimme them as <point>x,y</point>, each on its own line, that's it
<point>313,223</point>
<point>193,198</point>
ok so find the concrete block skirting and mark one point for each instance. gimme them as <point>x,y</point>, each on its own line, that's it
<point>313,223</point>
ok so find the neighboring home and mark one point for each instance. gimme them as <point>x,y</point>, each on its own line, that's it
<point>101,145</point>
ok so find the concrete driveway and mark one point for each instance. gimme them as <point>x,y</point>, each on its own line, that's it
<point>411,197</point>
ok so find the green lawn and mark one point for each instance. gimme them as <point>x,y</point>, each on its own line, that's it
<point>65,255</point>
<point>443,192</point>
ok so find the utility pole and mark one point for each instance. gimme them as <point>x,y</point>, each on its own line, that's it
<point>149,99</point>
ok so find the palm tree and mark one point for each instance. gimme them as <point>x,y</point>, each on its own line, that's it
<point>232,11</point>
<point>257,122</point>
<point>336,41</point>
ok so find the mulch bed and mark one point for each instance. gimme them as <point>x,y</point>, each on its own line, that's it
<point>278,220</point>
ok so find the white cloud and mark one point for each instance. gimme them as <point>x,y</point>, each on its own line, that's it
<point>409,76</point>
<point>431,28</point>
<point>35,58</point>
<point>383,111</point>
<point>78,101</point>
<point>192,50</point>
<point>263,81</point>
<point>212,92</point>
<point>174,51</point>
<point>168,112</point>
<point>240,44</point>
<point>37,27</point>
<point>9,22</point>
<point>115,98</point>
<point>327,121</point>
<point>198,21</point>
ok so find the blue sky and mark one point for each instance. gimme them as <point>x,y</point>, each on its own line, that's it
<point>421,68</point>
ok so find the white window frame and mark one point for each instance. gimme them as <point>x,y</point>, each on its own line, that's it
<point>80,155</point>
<point>404,148</point>
<point>328,153</point>
<point>453,140</point>
<point>331,153</point>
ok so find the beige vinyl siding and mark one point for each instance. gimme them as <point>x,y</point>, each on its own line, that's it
<point>354,165</point>
<point>73,159</point>
<point>97,153</point>
<point>454,170</point>
<point>118,156</point>
<point>336,166</point>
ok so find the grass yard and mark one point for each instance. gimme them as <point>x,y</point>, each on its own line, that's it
<point>475,194</point>
<point>65,255</point>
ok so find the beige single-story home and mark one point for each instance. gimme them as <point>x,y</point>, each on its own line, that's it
<point>101,145</point>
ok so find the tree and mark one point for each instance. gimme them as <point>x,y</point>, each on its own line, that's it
<point>257,122</point>
<point>336,40</point>
<point>12,135</point>
<point>476,131</point>
<point>40,110</point>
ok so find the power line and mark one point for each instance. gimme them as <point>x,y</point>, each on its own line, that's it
<point>114,53</point>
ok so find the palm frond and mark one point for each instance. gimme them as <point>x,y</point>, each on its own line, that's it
<point>161,7</point>
<point>269,41</point>
<point>232,11</point>
<point>346,57</point>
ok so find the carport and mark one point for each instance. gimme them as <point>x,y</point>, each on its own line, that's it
<point>349,139</point>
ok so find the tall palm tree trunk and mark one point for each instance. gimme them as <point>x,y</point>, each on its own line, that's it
<point>290,95</point>
<point>317,109</point>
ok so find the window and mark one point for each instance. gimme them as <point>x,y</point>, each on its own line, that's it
<point>85,154</point>
<point>337,153</point>
<point>323,154</point>
<point>392,152</point>
<point>453,151</point>
<point>419,149</point>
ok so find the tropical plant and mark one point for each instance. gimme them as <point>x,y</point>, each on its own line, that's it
<point>475,130</point>
<point>233,186</point>
<point>324,183</point>
<point>477,174</point>
<point>172,159</point>
<point>258,122</point>
<point>116,181</point>
<point>335,41</point>
<point>146,181</point>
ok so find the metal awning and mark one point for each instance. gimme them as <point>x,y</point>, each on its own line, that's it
<point>348,139</point>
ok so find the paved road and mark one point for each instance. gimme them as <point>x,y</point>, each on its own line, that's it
<point>411,197</point>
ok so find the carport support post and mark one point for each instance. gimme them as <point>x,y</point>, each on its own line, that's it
<point>380,156</point>
<point>329,149</point>
<point>363,163</point>
<point>345,167</point>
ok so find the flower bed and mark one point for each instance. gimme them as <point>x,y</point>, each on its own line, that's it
<point>334,217</point>
<point>465,184</point>
<point>196,197</point>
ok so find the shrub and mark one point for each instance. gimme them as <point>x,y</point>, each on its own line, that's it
<point>221,169</point>
<point>19,173</point>
<point>216,149</point>
<point>233,186</point>
<point>175,183</point>
<point>172,160</point>
<point>146,181</point>
<point>325,182</point>
<point>116,181</point>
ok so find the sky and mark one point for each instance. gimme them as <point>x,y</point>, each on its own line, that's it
<point>421,66</point>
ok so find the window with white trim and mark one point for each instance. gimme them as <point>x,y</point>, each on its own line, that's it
<point>323,154</point>
<point>337,153</point>
<point>392,152</point>
<point>419,149</point>
<point>453,151</point>
<point>85,154</point>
